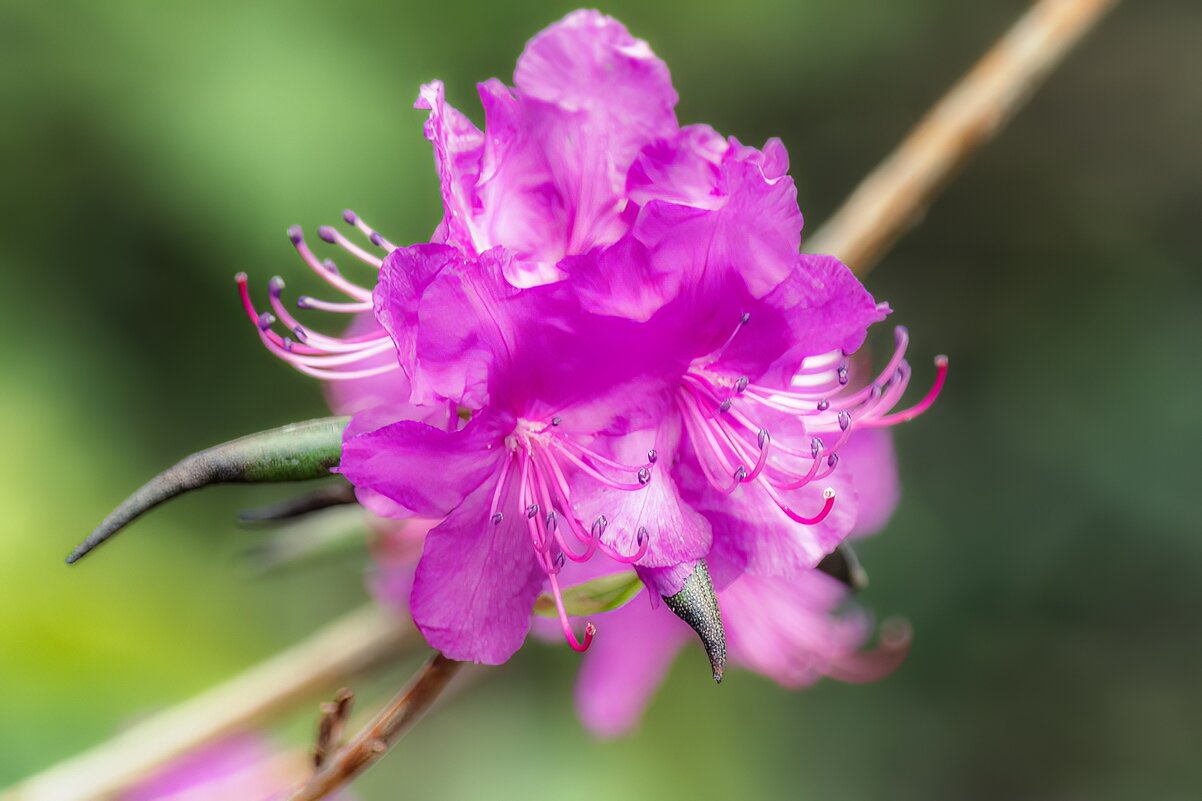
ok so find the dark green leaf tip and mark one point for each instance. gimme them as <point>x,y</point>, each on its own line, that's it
<point>697,605</point>
<point>295,452</point>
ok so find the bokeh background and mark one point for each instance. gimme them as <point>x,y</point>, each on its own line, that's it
<point>1047,549</point>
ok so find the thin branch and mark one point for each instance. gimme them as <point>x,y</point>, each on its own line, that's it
<point>894,197</point>
<point>374,740</point>
<point>346,647</point>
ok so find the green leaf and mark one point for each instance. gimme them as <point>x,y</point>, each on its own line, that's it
<point>592,597</point>
<point>296,452</point>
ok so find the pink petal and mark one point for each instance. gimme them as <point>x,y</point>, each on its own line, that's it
<point>675,532</point>
<point>629,657</point>
<point>786,628</point>
<point>425,469</point>
<point>870,456</point>
<point>458,151</point>
<point>477,581</point>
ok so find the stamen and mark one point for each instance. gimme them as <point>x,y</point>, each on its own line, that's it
<point>373,236</point>
<point>922,405</point>
<point>334,238</point>
<point>589,630</point>
<point>331,276</point>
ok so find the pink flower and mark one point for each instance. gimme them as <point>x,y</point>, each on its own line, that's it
<point>240,767</point>
<point>611,353</point>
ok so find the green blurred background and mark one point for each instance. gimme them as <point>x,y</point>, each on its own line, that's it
<point>1047,547</point>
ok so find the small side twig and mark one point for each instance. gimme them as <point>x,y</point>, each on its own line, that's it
<point>374,740</point>
<point>894,196</point>
<point>331,723</point>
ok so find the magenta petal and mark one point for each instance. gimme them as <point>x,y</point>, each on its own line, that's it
<point>675,533</point>
<point>623,280</point>
<point>870,456</point>
<point>787,629</point>
<point>630,656</point>
<point>477,581</point>
<point>818,308</point>
<point>458,150</point>
<point>404,277</point>
<point>589,62</point>
<point>752,534</point>
<point>425,469</point>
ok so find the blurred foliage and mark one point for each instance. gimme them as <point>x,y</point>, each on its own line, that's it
<point>1047,544</point>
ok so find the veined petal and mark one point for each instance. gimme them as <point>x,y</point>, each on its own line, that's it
<point>675,532</point>
<point>588,96</point>
<point>476,582</point>
<point>589,62</point>
<point>425,469</point>
<point>404,277</point>
<point>819,307</point>
<point>458,153</point>
<point>787,629</point>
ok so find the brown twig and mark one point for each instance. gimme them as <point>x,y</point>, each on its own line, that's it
<point>895,195</point>
<point>374,740</point>
<point>330,725</point>
<point>348,646</point>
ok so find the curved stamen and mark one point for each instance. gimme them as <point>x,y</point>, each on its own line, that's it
<point>309,302</point>
<point>326,270</point>
<point>642,540</point>
<point>329,234</point>
<point>589,628</point>
<point>593,472</point>
<point>828,494</point>
<point>551,521</point>
<point>373,235</point>
<point>922,405</point>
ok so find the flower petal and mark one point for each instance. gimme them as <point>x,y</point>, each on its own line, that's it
<point>870,457</point>
<point>588,97</point>
<point>675,532</point>
<point>819,307</point>
<point>425,469</point>
<point>629,657</point>
<point>787,629</point>
<point>477,581</point>
<point>458,152</point>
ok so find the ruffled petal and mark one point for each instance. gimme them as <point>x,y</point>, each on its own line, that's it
<point>629,657</point>
<point>589,62</point>
<point>819,307</point>
<point>425,469</point>
<point>588,96</point>
<point>404,277</point>
<point>477,581</point>
<point>458,153</point>
<point>714,215</point>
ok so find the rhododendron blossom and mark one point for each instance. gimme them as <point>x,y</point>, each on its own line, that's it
<point>610,353</point>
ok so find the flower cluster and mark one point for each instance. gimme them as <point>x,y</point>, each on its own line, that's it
<point>610,354</point>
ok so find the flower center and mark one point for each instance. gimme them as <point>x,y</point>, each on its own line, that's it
<point>533,487</point>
